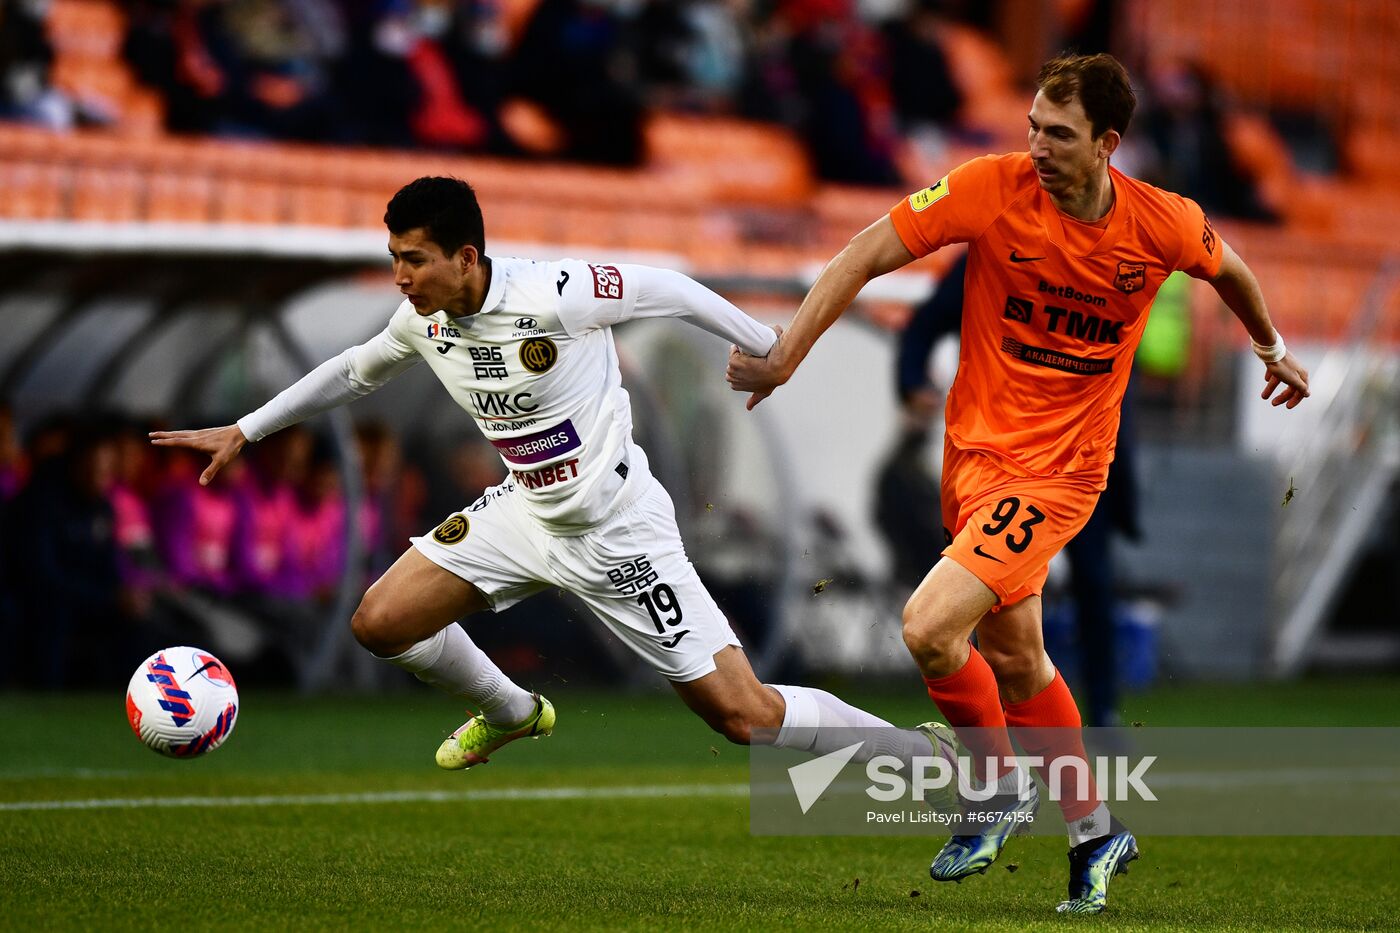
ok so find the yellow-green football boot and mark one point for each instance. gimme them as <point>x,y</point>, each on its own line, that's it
<point>473,743</point>
<point>945,746</point>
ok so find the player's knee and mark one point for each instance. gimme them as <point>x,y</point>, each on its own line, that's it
<point>927,641</point>
<point>734,724</point>
<point>370,625</point>
<point>1012,667</point>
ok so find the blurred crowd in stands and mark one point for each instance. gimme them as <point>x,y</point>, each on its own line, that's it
<point>574,79</point>
<point>105,540</point>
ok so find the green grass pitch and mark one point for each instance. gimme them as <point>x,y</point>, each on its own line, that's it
<point>589,860</point>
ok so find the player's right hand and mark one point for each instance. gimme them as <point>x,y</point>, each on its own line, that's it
<point>1293,377</point>
<point>758,375</point>
<point>221,444</point>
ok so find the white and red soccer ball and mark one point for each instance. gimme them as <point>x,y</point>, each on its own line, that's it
<point>182,702</point>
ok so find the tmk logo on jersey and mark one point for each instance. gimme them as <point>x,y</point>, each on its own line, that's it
<point>607,281</point>
<point>1068,321</point>
<point>442,331</point>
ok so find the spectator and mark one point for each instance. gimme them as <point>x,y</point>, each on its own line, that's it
<point>574,63</point>
<point>921,81</point>
<point>163,48</point>
<point>410,46</point>
<point>131,493</point>
<point>906,493</point>
<point>13,469</point>
<point>61,533</point>
<point>314,559</point>
<point>25,59</point>
<point>395,495</point>
<point>264,69</point>
<point>194,525</point>
<point>1185,121</point>
<point>264,502</point>
<point>839,67</point>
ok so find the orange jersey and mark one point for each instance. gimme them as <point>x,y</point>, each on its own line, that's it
<point>1054,307</point>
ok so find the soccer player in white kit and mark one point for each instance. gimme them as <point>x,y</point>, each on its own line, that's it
<point>526,349</point>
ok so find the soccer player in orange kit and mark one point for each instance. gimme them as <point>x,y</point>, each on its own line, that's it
<point>1066,256</point>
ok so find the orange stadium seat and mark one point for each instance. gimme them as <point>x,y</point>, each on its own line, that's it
<point>734,161</point>
<point>106,195</point>
<point>33,191</point>
<point>521,221</point>
<point>239,201</point>
<point>1371,154</point>
<point>366,208</point>
<point>178,198</point>
<point>316,206</point>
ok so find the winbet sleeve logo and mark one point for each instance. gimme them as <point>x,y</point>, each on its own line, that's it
<point>920,200</point>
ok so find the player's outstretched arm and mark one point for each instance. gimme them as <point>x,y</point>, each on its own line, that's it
<point>221,444</point>
<point>874,251</point>
<point>1239,289</point>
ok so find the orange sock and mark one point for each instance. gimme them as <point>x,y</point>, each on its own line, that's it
<point>1048,725</point>
<point>968,700</point>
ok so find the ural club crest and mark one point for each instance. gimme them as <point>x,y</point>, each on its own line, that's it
<point>1132,277</point>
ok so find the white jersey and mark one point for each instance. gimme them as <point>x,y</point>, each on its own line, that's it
<point>537,369</point>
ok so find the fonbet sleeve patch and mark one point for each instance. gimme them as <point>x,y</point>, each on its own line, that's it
<point>920,200</point>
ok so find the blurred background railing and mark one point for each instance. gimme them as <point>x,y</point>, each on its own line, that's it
<point>190,204</point>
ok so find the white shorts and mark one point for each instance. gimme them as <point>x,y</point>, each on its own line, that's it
<point>631,570</point>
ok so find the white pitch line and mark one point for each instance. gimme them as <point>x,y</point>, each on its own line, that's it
<point>1220,780</point>
<point>403,796</point>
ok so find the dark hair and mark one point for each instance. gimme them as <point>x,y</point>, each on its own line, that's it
<point>445,208</point>
<point>1099,81</point>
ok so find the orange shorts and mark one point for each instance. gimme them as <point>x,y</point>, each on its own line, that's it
<point>1005,527</point>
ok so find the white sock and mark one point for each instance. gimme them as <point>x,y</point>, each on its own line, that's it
<point>1089,827</point>
<point>452,662</point>
<point>810,712</point>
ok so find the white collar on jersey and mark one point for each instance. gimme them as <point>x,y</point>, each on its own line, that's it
<point>497,289</point>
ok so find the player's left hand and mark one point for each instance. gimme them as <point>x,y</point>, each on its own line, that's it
<point>1288,373</point>
<point>221,444</point>
<point>758,375</point>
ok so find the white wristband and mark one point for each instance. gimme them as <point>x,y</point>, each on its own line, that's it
<point>1270,354</point>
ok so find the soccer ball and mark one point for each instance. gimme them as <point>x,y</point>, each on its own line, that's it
<point>181,702</point>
